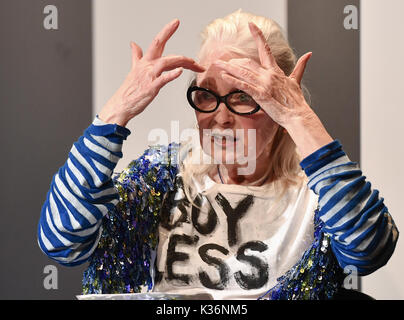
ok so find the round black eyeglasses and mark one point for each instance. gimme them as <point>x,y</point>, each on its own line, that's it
<point>207,101</point>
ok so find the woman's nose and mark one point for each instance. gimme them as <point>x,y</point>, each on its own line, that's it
<point>224,116</point>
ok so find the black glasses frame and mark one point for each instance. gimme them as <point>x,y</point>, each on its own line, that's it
<point>219,99</point>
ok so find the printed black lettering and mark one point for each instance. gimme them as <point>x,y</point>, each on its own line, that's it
<point>258,278</point>
<point>234,215</point>
<point>169,205</point>
<point>174,256</point>
<point>159,275</point>
<point>211,222</point>
<point>222,267</point>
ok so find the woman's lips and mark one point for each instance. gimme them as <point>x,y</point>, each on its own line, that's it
<point>224,140</point>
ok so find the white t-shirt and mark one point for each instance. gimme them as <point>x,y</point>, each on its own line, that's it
<point>238,244</point>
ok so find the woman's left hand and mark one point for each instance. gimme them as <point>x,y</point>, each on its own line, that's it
<point>280,96</point>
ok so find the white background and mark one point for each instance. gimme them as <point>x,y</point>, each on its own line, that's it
<point>382,124</point>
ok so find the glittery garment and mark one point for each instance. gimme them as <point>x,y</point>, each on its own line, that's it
<point>316,276</point>
<point>121,262</point>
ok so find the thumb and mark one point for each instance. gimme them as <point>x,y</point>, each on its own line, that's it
<point>298,71</point>
<point>137,52</point>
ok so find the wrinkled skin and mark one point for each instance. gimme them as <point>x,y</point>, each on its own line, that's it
<point>146,78</point>
<point>280,96</point>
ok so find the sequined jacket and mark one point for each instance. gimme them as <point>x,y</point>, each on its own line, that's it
<point>113,223</point>
<point>121,262</point>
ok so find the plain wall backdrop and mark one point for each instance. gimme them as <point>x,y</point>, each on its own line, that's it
<point>46,103</point>
<point>382,114</point>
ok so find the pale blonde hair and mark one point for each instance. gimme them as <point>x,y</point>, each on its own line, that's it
<point>232,34</point>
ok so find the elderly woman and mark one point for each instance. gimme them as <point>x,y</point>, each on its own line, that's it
<point>227,228</point>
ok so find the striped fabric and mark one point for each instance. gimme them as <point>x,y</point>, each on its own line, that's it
<point>362,231</point>
<point>80,195</point>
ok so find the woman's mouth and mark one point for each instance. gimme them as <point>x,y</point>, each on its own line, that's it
<point>223,140</point>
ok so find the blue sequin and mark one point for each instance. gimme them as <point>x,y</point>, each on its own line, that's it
<point>121,262</point>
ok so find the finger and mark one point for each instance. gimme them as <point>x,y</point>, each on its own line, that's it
<point>300,67</point>
<point>264,51</point>
<point>156,48</point>
<point>137,52</point>
<point>171,62</point>
<point>250,64</point>
<point>240,84</point>
<point>239,72</point>
<point>167,77</point>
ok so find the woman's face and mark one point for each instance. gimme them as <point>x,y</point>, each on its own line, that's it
<point>222,120</point>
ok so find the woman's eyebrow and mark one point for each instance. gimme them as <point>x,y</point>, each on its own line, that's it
<point>210,83</point>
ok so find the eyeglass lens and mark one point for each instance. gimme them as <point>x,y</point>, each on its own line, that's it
<point>238,101</point>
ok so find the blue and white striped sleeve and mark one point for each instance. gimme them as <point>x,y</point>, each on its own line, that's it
<point>80,195</point>
<point>363,233</point>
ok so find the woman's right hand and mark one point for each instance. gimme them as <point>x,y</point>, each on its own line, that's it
<point>146,78</point>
